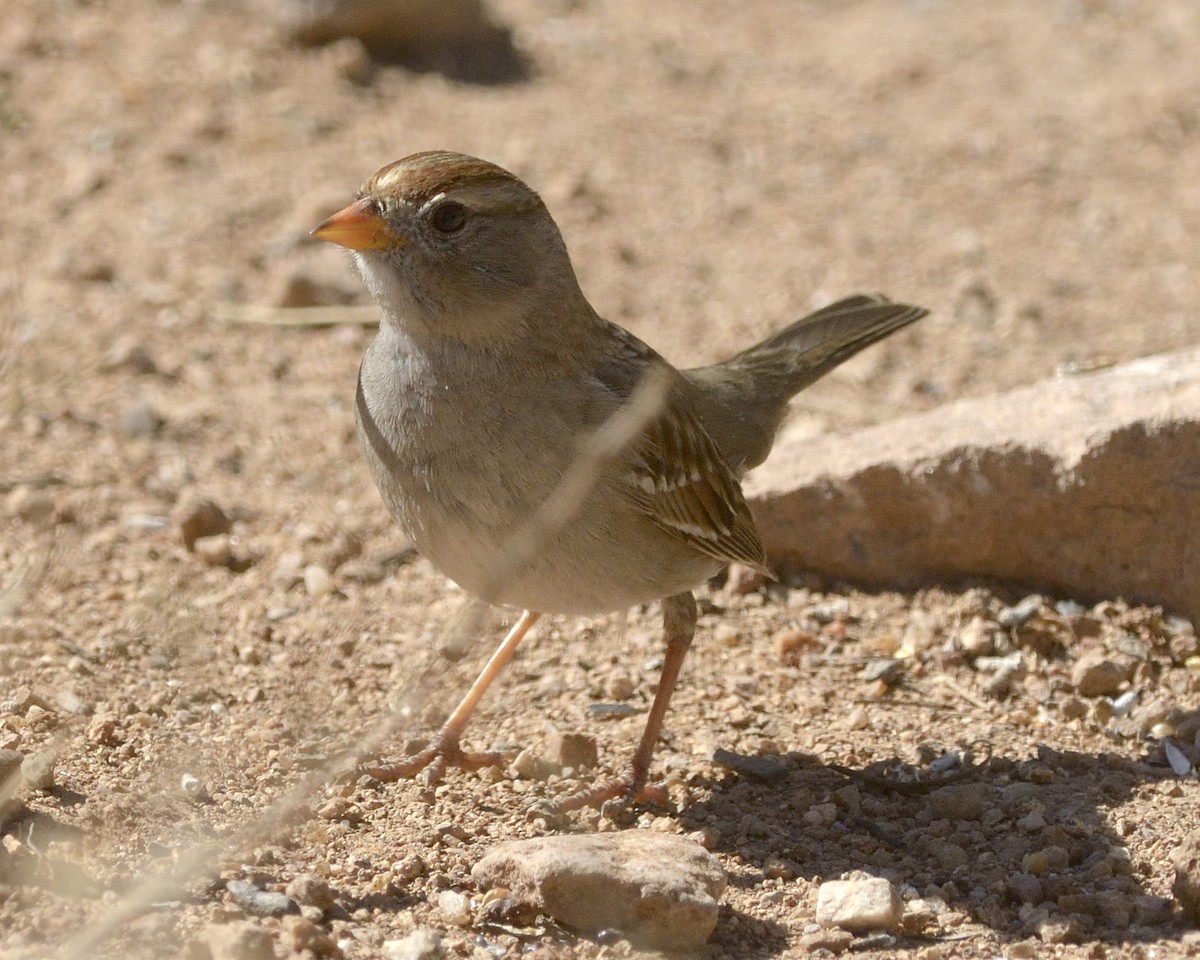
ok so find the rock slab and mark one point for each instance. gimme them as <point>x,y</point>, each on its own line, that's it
<point>659,890</point>
<point>1086,486</point>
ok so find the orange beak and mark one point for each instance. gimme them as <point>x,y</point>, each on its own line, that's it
<point>358,227</point>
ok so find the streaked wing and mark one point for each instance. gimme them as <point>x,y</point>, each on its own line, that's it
<point>680,480</point>
<point>677,475</point>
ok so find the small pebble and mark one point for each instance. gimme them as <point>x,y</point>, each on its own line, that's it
<point>531,765</point>
<point>1021,613</point>
<point>141,420</point>
<point>575,750</point>
<point>1095,675</point>
<point>308,889</point>
<point>300,934</point>
<point>37,769</point>
<point>317,582</point>
<point>978,638</point>
<point>960,801</point>
<point>619,686</point>
<point>1025,888</point>
<point>418,945</point>
<point>238,941</point>
<point>264,903</point>
<point>203,518</point>
<point>833,941</point>
<point>790,643</point>
<point>216,551</point>
<point>193,789</point>
<point>455,908</point>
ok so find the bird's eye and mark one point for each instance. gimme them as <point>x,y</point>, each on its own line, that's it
<point>448,217</point>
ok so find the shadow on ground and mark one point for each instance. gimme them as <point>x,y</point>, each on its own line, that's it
<point>1024,847</point>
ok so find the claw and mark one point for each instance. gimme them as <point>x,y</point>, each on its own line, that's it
<point>431,763</point>
<point>620,789</point>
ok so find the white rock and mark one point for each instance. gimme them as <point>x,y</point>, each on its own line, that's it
<point>418,945</point>
<point>317,581</point>
<point>859,906</point>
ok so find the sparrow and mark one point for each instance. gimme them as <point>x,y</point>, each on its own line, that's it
<point>540,456</point>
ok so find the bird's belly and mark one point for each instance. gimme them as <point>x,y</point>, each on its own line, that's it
<point>484,523</point>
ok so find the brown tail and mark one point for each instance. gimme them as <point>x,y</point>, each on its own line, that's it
<point>750,391</point>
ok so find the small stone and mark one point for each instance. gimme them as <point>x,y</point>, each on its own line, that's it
<point>860,906</point>
<point>409,868</point>
<point>777,868</point>
<point>660,890</point>
<point>193,789</point>
<point>215,551</point>
<point>1057,929</point>
<point>1025,888</point>
<point>887,670</point>
<point>833,940</point>
<point>531,765</point>
<point>619,686</point>
<point>308,889</point>
<point>1021,613</point>
<point>960,801</point>
<point>102,730</point>
<point>337,809</point>
<point>37,769</point>
<point>1095,675</point>
<point>455,908</point>
<point>418,945</point>
<point>1036,863</point>
<point>264,903</point>
<point>789,644</point>
<point>317,582</point>
<point>1073,708</point>
<point>1186,860</point>
<point>141,420</point>
<point>978,638</point>
<point>202,518</point>
<point>727,634</point>
<point>574,750</point>
<point>300,934</point>
<point>239,941</point>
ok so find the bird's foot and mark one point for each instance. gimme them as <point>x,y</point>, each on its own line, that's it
<point>623,790</point>
<point>430,763</point>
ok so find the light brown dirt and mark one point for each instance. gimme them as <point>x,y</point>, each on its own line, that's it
<point>1025,169</point>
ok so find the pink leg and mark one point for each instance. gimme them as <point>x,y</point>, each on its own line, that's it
<point>445,750</point>
<point>679,627</point>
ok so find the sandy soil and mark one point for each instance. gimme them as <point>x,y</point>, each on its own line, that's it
<point>1025,169</point>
